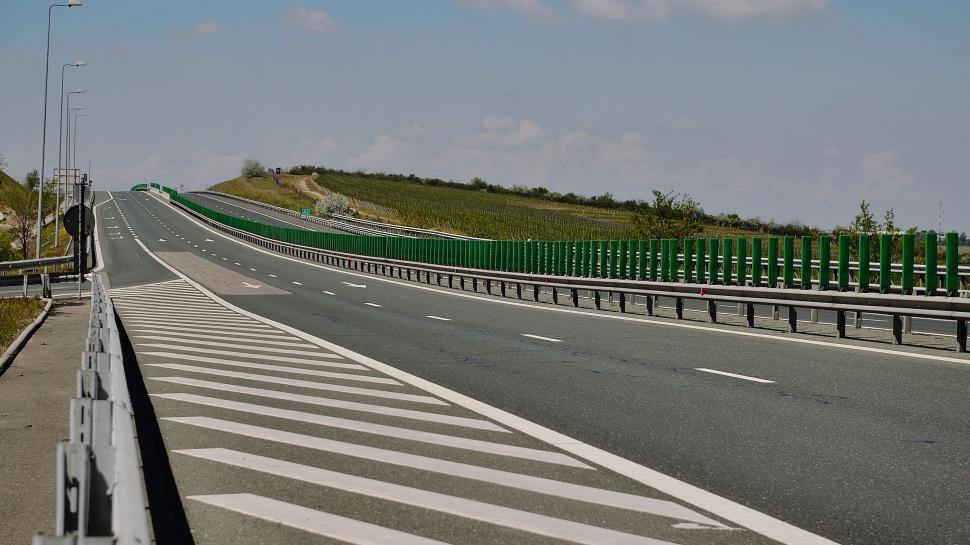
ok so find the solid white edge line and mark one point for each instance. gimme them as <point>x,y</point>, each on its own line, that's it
<point>97,240</point>
<point>734,375</point>
<point>741,515</point>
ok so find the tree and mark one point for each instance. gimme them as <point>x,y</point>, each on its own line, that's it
<point>22,205</point>
<point>3,162</point>
<point>864,223</point>
<point>253,169</point>
<point>672,215</point>
<point>333,203</point>
<point>32,180</point>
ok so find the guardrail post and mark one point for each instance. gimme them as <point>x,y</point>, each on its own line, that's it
<point>930,278</point>
<point>700,251</point>
<point>535,293</point>
<point>863,280</point>
<point>679,307</point>
<point>840,323</point>
<point>908,258</point>
<point>788,270</point>
<point>749,314</point>
<point>713,266</point>
<point>596,298</point>
<point>712,311</point>
<point>772,262</point>
<point>650,305</point>
<point>792,319</point>
<point>806,263</point>
<point>689,260</point>
<point>897,329</point>
<point>654,243</point>
<point>574,294</point>
<point>885,262</point>
<point>742,261</point>
<point>952,264</point>
<point>728,274</point>
<point>622,302</point>
<point>962,336</point>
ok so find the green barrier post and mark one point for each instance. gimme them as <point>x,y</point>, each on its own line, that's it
<point>863,263</point>
<point>772,262</point>
<point>824,262</point>
<point>713,267</point>
<point>643,261</point>
<point>885,262</point>
<point>788,263</point>
<point>756,261</point>
<point>844,244</point>
<point>621,259</point>
<point>654,248</point>
<point>701,250</point>
<point>614,249</point>
<point>908,258</point>
<point>806,263</point>
<point>689,260</point>
<point>952,264</point>
<point>931,278</point>
<point>728,261</point>
<point>742,244</point>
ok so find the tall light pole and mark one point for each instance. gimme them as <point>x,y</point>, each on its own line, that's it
<point>74,139</point>
<point>60,165</point>
<point>43,147</point>
<point>67,131</point>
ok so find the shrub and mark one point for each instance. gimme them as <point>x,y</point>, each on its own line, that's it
<point>252,169</point>
<point>333,203</point>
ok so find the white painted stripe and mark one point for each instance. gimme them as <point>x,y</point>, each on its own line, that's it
<point>192,338</point>
<point>310,385</point>
<point>169,294</point>
<point>464,422</point>
<point>734,375</point>
<point>509,479</point>
<point>194,325</point>
<point>438,439</point>
<point>274,350</point>
<point>233,353</point>
<point>281,368</point>
<point>246,346</point>
<point>176,301</point>
<point>172,315</point>
<point>438,318</point>
<point>531,336</point>
<point>272,276</point>
<point>315,522</point>
<point>173,330</point>
<point>297,283</point>
<point>373,305</point>
<point>329,292</point>
<point>574,532</point>
<point>756,521</point>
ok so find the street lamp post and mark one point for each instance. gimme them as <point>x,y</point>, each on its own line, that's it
<point>67,130</point>
<point>74,140</point>
<point>43,147</point>
<point>60,165</point>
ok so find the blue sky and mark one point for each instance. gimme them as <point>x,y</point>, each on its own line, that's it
<point>785,109</point>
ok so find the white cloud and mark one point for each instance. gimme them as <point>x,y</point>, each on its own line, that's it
<point>682,123</point>
<point>533,9</point>
<point>881,170</point>
<point>310,20</point>
<point>504,132</point>
<point>722,10</point>
<point>205,27</point>
<point>385,152</point>
<point>306,151</point>
<point>206,168</point>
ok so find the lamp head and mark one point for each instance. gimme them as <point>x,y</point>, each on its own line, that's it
<point>74,3</point>
<point>79,63</point>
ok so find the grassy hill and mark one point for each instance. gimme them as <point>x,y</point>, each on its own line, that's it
<point>474,213</point>
<point>10,189</point>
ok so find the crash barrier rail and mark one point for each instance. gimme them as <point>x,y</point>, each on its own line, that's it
<point>771,262</point>
<point>897,306</point>
<point>100,496</point>
<point>350,223</point>
<point>35,263</point>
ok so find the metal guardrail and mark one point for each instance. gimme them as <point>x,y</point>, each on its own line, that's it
<point>100,497</point>
<point>897,306</point>
<point>34,263</point>
<point>350,224</point>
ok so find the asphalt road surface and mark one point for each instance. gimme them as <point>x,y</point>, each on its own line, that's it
<point>860,443</point>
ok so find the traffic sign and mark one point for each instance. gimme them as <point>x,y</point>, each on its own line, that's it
<point>304,213</point>
<point>72,224</point>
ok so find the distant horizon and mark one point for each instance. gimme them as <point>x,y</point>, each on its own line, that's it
<point>791,110</point>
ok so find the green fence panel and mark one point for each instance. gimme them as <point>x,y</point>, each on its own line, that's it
<point>844,248</point>
<point>906,280</point>
<point>654,249</point>
<point>756,261</point>
<point>562,258</point>
<point>701,251</point>
<point>805,267</point>
<point>952,264</point>
<point>824,262</point>
<point>728,274</point>
<point>643,261</point>
<point>742,247</point>
<point>689,260</point>
<point>931,277</point>
<point>863,280</point>
<point>604,258</point>
<point>885,262</point>
<point>621,259</point>
<point>788,263</point>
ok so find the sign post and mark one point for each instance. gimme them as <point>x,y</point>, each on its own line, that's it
<point>79,223</point>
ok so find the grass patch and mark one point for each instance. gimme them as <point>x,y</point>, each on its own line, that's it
<point>15,315</point>
<point>264,190</point>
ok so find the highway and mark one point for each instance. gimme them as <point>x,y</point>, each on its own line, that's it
<point>252,212</point>
<point>856,442</point>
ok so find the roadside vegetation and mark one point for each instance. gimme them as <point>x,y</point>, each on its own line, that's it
<point>18,216</point>
<point>15,315</point>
